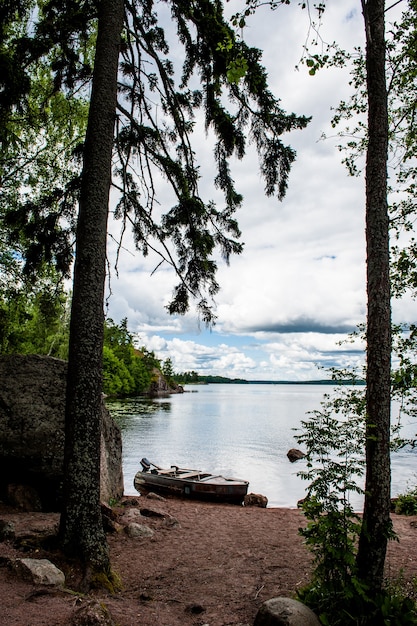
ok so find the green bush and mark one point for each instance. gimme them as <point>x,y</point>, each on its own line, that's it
<point>353,607</point>
<point>406,503</point>
<point>333,438</point>
<point>117,380</point>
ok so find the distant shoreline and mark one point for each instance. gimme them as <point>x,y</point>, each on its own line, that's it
<point>218,380</point>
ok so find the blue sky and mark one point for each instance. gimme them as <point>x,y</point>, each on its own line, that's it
<point>299,286</point>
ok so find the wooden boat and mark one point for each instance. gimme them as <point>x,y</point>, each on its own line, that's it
<point>189,483</point>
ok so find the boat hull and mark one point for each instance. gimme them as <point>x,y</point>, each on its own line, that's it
<point>212,488</point>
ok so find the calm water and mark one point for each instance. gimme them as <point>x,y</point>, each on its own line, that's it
<point>244,431</point>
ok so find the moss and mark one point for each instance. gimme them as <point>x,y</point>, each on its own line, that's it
<point>111,581</point>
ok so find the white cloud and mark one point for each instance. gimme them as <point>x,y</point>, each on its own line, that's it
<point>300,282</point>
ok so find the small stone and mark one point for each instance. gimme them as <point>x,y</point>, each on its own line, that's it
<point>138,531</point>
<point>39,571</point>
<point>130,516</point>
<point>171,522</point>
<point>145,597</point>
<point>7,531</point>
<point>255,499</point>
<point>155,496</point>
<point>92,614</point>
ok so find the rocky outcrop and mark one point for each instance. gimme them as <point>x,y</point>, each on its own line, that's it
<point>285,612</point>
<point>160,387</point>
<point>32,409</point>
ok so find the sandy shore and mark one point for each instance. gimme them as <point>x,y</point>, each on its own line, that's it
<point>205,564</point>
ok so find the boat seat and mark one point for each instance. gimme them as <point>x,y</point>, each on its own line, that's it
<point>189,475</point>
<point>167,471</point>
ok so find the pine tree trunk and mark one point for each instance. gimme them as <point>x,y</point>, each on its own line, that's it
<point>376,520</point>
<point>81,528</point>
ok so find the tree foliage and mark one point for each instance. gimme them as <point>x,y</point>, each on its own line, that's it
<point>34,321</point>
<point>401,66</point>
<point>157,116</point>
<point>334,440</point>
<point>45,59</point>
<point>127,371</point>
<point>156,113</point>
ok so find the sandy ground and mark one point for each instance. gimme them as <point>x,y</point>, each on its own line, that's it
<point>206,564</point>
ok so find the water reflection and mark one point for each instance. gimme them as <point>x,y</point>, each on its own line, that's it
<point>242,431</point>
<point>238,430</point>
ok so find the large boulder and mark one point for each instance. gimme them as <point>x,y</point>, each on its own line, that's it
<point>285,612</point>
<point>32,410</point>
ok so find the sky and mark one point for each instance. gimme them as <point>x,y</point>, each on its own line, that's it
<point>288,302</point>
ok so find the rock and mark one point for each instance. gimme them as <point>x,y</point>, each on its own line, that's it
<point>155,496</point>
<point>24,497</point>
<point>39,571</point>
<point>138,531</point>
<point>110,523</point>
<point>295,455</point>
<point>255,499</point>
<point>132,515</point>
<point>7,531</point>
<point>111,470</point>
<point>159,386</point>
<point>92,613</point>
<point>130,501</point>
<point>107,511</point>
<point>285,612</point>
<point>32,409</point>
<point>151,513</point>
<point>171,522</point>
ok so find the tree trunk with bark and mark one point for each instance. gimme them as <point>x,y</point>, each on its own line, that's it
<point>81,527</point>
<point>376,520</point>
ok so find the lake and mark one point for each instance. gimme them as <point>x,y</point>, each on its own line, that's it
<point>243,431</point>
